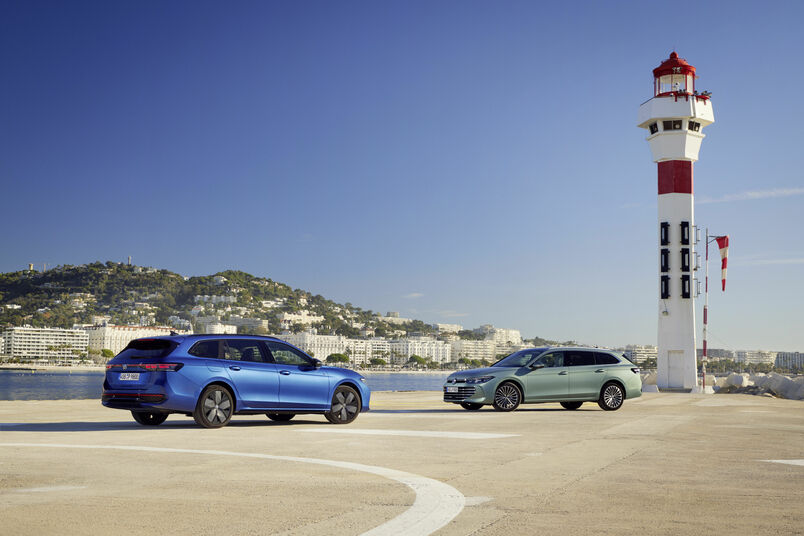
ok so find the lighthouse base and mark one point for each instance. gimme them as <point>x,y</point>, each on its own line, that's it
<point>698,390</point>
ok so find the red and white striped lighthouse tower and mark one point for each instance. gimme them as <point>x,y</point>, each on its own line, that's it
<point>675,118</point>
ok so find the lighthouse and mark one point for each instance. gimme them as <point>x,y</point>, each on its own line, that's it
<point>674,119</point>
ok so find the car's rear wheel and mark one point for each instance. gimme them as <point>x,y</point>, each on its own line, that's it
<point>571,405</point>
<point>611,397</point>
<point>507,397</point>
<point>471,406</point>
<point>149,418</point>
<point>345,406</point>
<point>280,417</point>
<point>214,407</point>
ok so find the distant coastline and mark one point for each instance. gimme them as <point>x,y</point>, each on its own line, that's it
<point>21,367</point>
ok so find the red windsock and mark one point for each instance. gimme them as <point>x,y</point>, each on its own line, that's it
<point>723,244</point>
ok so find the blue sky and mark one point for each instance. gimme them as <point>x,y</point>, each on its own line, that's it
<point>466,162</point>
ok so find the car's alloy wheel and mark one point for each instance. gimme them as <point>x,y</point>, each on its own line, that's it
<point>571,405</point>
<point>214,408</point>
<point>611,397</point>
<point>507,397</point>
<point>345,406</point>
<point>149,418</point>
<point>470,406</point>
<point>280,417</point>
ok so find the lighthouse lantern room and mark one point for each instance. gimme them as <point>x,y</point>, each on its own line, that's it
<point>674,118</point>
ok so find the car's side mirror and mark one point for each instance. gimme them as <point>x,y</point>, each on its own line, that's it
<point>536,366</point>
<point>317,364</point>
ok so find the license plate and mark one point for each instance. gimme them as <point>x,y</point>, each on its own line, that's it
<point>129,376</point>
<point>452,389</point>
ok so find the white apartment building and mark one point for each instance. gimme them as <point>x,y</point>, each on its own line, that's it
<point>115,338</point>
<point>217,327</point>
<point>755,357</point>
<point>305,318</point>
<point>319,346</point>
<point>473,350</point>
<point>639,353</point>
<point>45,343</point>
<point>448,328</point>
<point>500,335</point>
<point>250,322</point>
<point>2,346</point>
<point>783,359</point>
<point>214,299</point>
<point>392,317</point>
<point>426,347</point>
<point>360,351</point>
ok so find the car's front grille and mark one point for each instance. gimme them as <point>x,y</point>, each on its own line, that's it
<point>462,394</point>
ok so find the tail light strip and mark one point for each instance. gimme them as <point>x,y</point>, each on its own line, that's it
<point>150,367</point>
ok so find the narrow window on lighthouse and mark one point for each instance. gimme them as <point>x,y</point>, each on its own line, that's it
<point>665,260</point>
<point>665,287</point>
<point>685,286</point>
<point>685,259</point>
<point>654,128</point>
<point>685,233</point>
<point>664,233</point>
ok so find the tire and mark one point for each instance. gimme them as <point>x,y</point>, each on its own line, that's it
<point>149,418</point>
<point>571,405</point>
<point>507,397</point>
<point>345,406</point>
<point>611,397</point>
<point>280,417</point>
<point>470,406</point>
<point>214,408</point>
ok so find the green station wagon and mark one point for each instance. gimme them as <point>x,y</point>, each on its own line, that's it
<point>570,376</point>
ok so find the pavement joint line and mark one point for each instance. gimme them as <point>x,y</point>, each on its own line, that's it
<point>436,503</point>
<point>408,433</point>
<point>787,462</point>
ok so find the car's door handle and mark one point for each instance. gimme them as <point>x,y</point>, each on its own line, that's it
<point>562,373</point>
<point>284,372</point>
<point>600,370</point>
<point>234,367</point>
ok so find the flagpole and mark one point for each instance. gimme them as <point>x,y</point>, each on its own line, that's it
<point>705,312</point>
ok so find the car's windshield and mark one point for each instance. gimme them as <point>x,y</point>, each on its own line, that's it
<point>520,358</point>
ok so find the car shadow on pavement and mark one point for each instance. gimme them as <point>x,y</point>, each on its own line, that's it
<point>87,426</point>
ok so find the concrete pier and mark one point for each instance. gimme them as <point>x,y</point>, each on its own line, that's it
<point>663,464</point>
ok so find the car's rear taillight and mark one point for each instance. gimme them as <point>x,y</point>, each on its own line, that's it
<point>635,370</point>
<point>151,367</point>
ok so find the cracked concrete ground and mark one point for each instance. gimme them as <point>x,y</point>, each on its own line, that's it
<point>663,464</point>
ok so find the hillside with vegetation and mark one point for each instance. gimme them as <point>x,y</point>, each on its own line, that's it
<point>133,295</point>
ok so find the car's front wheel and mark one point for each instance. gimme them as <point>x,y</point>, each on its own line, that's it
<point>611,397</point>
<point>280,417</point>
<point>571,405</point>
<point>214,407</point>
<point>507,397</point>
<point>471,406</point>
<point>345,406</point>
<point>149,418</point>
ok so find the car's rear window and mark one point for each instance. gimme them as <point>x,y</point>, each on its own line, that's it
<point>147,349</point>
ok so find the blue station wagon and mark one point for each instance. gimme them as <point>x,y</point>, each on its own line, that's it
<point>213,377</point>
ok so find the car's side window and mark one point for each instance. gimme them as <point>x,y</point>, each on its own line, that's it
<point>286,355</point>
<point>553,359</point>
<point>209,348</point>
<point>605,359</point>
<point>244,350</point>
<point>578,358</point>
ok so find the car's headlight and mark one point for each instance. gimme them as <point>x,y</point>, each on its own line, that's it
<point>479,379</point>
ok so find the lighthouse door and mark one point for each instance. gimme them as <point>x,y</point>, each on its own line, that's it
<point>675,368</point>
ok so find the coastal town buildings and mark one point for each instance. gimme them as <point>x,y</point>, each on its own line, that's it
<point>115,338</point>
<point>790,360</point>
<point>755,357</point>
<point>29,343</point>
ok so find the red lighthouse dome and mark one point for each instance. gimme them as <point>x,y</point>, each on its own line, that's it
<point>674,77</point>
